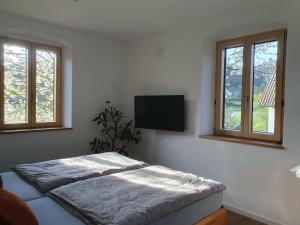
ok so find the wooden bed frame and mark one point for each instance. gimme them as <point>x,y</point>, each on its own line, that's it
<point>217,218</point>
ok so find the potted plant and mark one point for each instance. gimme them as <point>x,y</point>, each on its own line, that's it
<point>115,131</point>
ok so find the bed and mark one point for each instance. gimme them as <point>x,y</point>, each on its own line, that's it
<point>207,211</point>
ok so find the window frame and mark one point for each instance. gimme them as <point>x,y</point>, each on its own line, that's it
<point>31,86</point>
<point>246,104</point>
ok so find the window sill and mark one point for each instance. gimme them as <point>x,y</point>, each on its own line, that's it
<point>34,130</point>
<point>243,141</point>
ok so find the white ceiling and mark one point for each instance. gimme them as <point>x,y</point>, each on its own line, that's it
<point>130,18</point>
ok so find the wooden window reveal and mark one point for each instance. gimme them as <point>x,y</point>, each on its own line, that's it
<point>30,85</point>
<point>250,86</point>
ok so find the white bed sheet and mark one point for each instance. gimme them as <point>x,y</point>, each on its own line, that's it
<point>13,183</point>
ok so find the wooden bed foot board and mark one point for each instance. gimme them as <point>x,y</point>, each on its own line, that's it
<point>217,218</point>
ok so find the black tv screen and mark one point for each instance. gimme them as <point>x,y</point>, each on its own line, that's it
<point>164,112</point>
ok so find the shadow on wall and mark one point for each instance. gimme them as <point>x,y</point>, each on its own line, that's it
<point>206,96</point>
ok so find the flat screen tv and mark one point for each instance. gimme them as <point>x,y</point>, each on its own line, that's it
<point>163,112</point>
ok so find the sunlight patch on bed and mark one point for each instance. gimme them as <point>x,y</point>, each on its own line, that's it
<point>157,177</point>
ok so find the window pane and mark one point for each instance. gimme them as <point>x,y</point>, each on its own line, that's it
<point>264,87</point>
<point>233,79</point>
<point>45,86</point>
<point>15,84</point>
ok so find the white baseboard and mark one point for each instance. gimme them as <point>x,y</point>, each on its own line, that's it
<point>251,215</point>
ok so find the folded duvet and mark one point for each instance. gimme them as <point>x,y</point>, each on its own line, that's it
<point>135,197</point>
<point>54,173</point>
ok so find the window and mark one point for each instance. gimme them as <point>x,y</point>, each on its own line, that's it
<point>249,87</point>
<point>30,80</point>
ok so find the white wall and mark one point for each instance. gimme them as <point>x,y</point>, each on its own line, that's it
<point>93,67</point>
<point>182,62</point>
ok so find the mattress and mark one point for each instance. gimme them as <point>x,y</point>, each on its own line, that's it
<point>15,184</point>
<point>46,209</point>
<point>193,213</point>
<point>48,212</point>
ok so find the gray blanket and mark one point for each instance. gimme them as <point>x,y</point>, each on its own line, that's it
<point>54,173</point>
<point>135,197</point>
